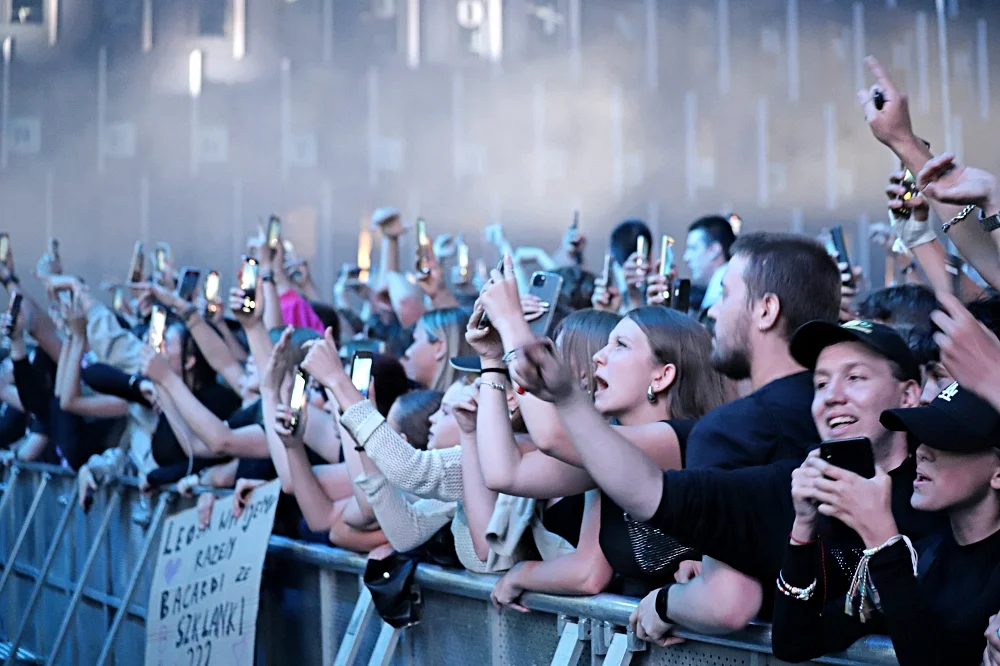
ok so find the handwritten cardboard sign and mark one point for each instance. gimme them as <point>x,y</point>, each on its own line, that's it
<point>206,586</point>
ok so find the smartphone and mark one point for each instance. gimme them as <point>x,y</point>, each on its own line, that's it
<point>211,291</point>
<point>137,263</point>
<point>680,298</point>
<point>157,327</point>
<point>361,371</point>
<point>484,321</point>
<point>297,401</point>
<point>13,309</point>
<point>463,263</point>
<point>953,264</point>
<point>909,182</point>
<point>840,245</point>
<point>546,287</point>
<point>606,273</point>
<point>853,454</point>
<point>642,251</point>
<point>188,282</point>
<point>666,255</point>
<point>161,256</point>
<point>423,248</point>
<point>4,247</point>
<point>248,283</point>
<point>273,232</point>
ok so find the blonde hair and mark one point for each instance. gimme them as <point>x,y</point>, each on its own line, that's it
<point>448,325</point>
<point>584,333</point>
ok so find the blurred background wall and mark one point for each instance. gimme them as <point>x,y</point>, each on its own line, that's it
<point>189,121</point>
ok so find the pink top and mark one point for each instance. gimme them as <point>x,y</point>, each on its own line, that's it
<point>297,312</point>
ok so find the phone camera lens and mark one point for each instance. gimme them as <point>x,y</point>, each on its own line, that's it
<point>538,281</point>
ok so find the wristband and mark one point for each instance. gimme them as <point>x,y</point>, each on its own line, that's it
<point>662,596</point>
<point>799,542</point>
<point>502,371</point>
<point>267,277</point>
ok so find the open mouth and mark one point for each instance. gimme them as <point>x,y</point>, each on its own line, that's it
<point>600,385</point>
<point>920,479</point>
<point>839,423</point>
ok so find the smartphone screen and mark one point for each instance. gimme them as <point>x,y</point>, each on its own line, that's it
<point>273,232</point>
<point>840,245</point>
<point>298,397</point>
<point>160,258</point>
<point>463,262</point>
<point>606,274</point>
<point>157,327</point>
<point>118,300</point>
<point>642,250</point>
<point>4,247</point>
<point>423,248</point>
<point>136,266</point>
<point>188,282</point>
<point>248,283</point>
<point>212,286</point>
<point>13,309</point>
<point>666,255</point>
<point>854,454</point>
<point>361,372</point>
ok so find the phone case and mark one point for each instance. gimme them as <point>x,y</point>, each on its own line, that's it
<point>547,292</point>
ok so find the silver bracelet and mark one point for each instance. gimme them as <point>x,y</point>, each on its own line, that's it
<point>509,357</point>
<point>958,218</point>
<point>500,387</point>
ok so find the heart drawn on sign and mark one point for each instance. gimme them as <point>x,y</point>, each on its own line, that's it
<point>171,569</point>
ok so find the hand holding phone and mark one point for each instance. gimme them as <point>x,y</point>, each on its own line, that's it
<point>853,454</point>
<point>13,310</point>
<point>297,400</point>
<point>211,293</point>
<point>840,246</point>
<point>361,372</point>
<point>248,284</point>
<point>188,283</point>
<point>157,328</point>
<point>423,249</point>
<point>136,265</point>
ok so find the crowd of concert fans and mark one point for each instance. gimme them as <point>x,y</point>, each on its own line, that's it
<point>778,447</point>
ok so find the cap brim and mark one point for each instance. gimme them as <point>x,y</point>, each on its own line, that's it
<point>936,429</point>
<point>467,364</point>
<point>815,336</point>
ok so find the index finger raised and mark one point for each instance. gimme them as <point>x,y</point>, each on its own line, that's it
<point>875,67</point>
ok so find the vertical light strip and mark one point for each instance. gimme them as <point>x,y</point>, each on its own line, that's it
<point>194,88</point>
<point>793,50</point>
<point>723,47</point>
<point>457,125</point>
<point>373,126</point>
<point>144,208</point>
<point>147,26</point>
<point>653,216</point>
<point>195,70</point>
<point>494,13</point>
<point>286,116</point>
<point>413,33</point>
<point>52,20</point>
<point>239,29</point>
<point>763,175</point>
<point>102,105</point>
<point>326,238</point>
<point>944,65</point>
<point>830,124</point>
<point>575,58</point>
<point>326,21</point>
<point>617,144</point>
<point>956,136</point>
<point>858,23</point>
<point>691,143</point>
<point>538,131</point>
<point>652,45</point>
<point>8,54</point>
<point>862,246</point>
<point>923,58</point>
<point>50,203</point>
<point>983,67</point>
<point>238,240</point>
<point>952,8</point>
<point>798,223</point>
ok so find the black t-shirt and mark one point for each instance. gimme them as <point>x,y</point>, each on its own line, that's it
<point>772,423</point>
<point>565,517</point>
<point>641,555</point>
<point>13,424</point>
<point>218,399</point>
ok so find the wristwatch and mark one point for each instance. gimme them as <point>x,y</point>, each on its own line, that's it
<point>991,223</point>
<point>661,603</point>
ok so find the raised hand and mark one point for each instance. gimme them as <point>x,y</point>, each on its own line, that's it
<point>290,436</point>
<point>241,495</point>
<point>466,409</point>
<point>945,179</point>
<point>485,341</point>
<point>969,350</point>
<point>538,369</point>
<point>891,124</point>
<point>278,364</point>
<point>322,362</point>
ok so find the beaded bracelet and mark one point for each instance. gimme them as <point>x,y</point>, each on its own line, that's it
<point>797,593</point>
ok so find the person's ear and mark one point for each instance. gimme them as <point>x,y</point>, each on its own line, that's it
<point>440,350</point>
<point>995,479</point>
<point>664,378</point>
<point>911,394</point>
<point>405,438</point>
<point>766,312</point>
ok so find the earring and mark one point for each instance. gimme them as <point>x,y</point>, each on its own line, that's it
<point>650,395</point>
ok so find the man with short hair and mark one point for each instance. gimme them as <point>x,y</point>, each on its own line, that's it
<point>706,252</point>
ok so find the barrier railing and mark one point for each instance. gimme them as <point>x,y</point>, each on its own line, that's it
<point>74,587</point>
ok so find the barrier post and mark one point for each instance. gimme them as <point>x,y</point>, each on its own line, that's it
<point>622,647</point>
<point>84,574</point>
<point>8,489</point>
<point>572,639</point>
<point>9,564</point>
<point>158,517</point>
<point>36,591</point>
<point>351,642</point>
<point>388,638</point>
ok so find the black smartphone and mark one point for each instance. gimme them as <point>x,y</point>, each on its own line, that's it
<point>248,283</point>
<point>361,371</point>
<point>273,232</point>
<point>546,287</point>
<point>188,282</point>
<point>157,327</point>
<point>423,248</point>
<point>680,299</point>
<point>4,247</point>
<point>297,401</point>
<point>484,321</point>
<point>212,291</point>
<point>13,309</point>
<point>137,263</point>
<point>853,454</point>
<point>840,245</point>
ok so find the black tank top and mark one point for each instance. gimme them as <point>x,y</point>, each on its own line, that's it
<point>565,517</point>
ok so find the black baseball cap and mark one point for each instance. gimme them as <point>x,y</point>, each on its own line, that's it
<point>815,336</point>
<point>957,420</point>
<point>471,364</point>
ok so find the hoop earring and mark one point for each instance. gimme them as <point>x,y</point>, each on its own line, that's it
<point>650,395</point>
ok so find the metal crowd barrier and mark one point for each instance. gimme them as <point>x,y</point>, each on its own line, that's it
<point>74,587</point>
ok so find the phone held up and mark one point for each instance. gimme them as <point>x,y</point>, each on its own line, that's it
<point>840,247</point>
<point>137,263</point>
<point>157,328</point>
<point>484,321</point>
<point>546,288</point>
<point>273,233</point>
<point>297,401</point>
<point>211,293</point>
<point>188,282</point>
<point>13,310</point>
<point>423,249</point>
<point>248,283</point>
<point>361,371</point>
<point>853,454</point>
<point>4,247</point>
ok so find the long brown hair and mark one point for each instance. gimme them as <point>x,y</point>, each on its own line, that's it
<point>677,339</point>
<point>584,333</point>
